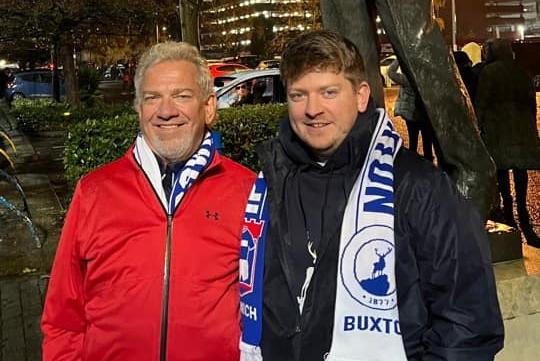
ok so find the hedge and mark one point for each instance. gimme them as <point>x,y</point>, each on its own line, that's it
<point>37,115</point>
<point>242,128</point>
<point>94,142</point>
<point>91,143</point>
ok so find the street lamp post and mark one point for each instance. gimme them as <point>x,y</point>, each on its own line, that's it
<point>454,26</point>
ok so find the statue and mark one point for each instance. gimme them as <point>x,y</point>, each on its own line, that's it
<point>427,62</point>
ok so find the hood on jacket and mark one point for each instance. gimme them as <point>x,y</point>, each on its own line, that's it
<point>498,50</point>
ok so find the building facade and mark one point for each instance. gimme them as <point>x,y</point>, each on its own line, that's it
<point>260,27</point>
<point>518,20</point>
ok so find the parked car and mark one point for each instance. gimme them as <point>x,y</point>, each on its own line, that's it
<point>261,87</point>
<point>114,72</point>
<point>384,65</point>
<point>32,84</point>
<point>219,69</point>
<point>250,61</point>
<point>269,64</point>
<point>221,81</point>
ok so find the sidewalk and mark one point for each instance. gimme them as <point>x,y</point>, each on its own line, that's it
<point>23,266</point>
<point>20,313</point>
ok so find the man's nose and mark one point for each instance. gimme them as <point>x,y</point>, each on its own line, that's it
<point>313,107</point>
<point>167,109</point>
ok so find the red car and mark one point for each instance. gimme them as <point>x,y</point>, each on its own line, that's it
<point>219,69</point>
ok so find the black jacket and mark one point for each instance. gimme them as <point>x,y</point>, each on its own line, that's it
<point>505,105</point>
<point>446,291</point>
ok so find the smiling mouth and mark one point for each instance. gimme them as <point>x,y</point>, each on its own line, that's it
<point>316,125</point>
<point>168,126</point>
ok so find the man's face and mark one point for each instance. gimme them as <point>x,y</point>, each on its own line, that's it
<point>323,106</point>
<point>241,90</point>
<point>172,113</point>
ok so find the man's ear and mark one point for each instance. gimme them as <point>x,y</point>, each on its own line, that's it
<point>362,96</point>
<point>210,109</point>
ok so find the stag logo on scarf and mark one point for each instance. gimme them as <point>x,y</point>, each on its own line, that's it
<point>251,232</point>
<point>368,283</point>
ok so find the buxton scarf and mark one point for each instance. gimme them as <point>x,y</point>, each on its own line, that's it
<point>366,319</point>
<point>181,180</point>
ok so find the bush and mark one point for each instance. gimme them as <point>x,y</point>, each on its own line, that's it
<point>99,111</point>
<point>36,115</point>
<point>92,143</point>
<point>242,128</point>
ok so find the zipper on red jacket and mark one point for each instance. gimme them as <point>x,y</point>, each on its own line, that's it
<point>166,272</point>
<point>165,293</point>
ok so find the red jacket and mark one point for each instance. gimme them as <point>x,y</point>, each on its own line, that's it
<point>105,297</point>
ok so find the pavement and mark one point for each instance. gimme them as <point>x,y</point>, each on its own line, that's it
<point>23,266</point>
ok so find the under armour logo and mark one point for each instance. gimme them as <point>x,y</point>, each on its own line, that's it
<point>214,215</point>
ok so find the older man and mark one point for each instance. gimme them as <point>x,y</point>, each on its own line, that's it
<point>371,253</point>
<point>147,264</point>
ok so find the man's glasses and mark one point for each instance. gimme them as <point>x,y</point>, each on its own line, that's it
<point>241,87</point>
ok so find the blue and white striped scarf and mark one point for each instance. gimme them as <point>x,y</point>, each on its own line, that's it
<point>182,180</point>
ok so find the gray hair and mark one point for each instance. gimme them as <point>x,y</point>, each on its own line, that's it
<point>172,51</point>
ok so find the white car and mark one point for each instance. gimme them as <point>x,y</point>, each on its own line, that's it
<point>384,64</point>
<point>262,87</point>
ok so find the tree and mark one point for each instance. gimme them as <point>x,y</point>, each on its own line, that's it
<point>189,19</point>
<point>37,27</point>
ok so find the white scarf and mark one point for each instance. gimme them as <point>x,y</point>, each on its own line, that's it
<point>366,319</point>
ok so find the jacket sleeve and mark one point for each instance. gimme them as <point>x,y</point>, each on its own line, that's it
<point>456,278</point>
<point>63,322</point>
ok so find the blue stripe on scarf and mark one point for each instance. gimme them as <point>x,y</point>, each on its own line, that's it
<point>252,262</point>
<point>190,171</point>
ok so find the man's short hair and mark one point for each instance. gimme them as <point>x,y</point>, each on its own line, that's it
<point>173,51</point>
<point>319,51</point>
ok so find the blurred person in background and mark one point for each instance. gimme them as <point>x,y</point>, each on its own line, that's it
<point>465,68</point>
<point>505,105</point>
